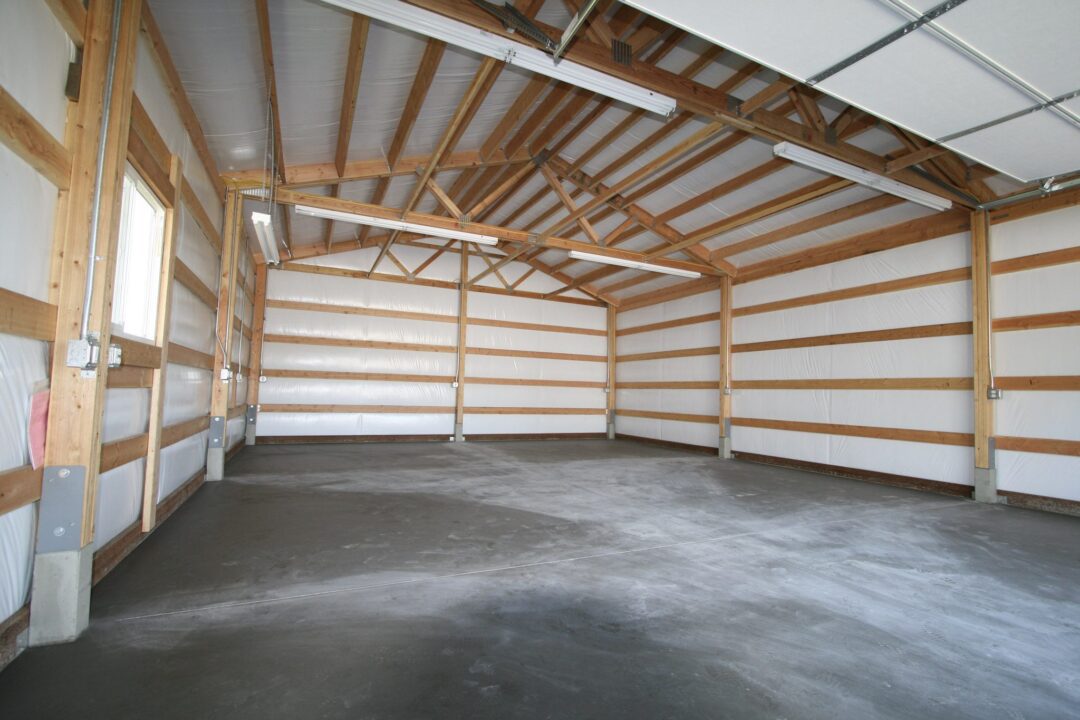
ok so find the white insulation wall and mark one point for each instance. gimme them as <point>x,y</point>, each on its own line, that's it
<point>944,410</point>
<point>704,430</point>
<point>1038,352</point>
<point>187,389</point>
<point>1018,355</point>
<point>28,207</point>
<point>429,358</point>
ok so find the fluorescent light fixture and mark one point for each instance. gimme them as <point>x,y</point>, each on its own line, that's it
<point>264,231</point>
<point>634,264</point>
<point>399,225</point>
<point>433,25</point>
<point>824,163</point>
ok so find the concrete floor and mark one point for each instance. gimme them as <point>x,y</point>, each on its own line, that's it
<point>570,580</point>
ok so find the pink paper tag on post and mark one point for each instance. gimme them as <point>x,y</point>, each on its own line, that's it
<point>39,420</point>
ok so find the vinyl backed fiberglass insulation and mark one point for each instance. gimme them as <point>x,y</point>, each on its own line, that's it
<point>946,410</point>
<point>423,343</point>
<point>27,206</point>
<point>700,368</point>
<point>1052,415</point>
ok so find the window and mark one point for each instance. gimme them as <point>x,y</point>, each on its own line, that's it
<point>138,262</point>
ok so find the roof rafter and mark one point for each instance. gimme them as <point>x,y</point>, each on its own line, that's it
<point>425,74</point>
<point>354,66</point>
<point>700,99</point>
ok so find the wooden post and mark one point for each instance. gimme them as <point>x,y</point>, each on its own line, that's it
<point>463,325</point>
<point>161,339</point>
<point>982,337</point>
<point>223,332</point>
<point>725,367</point>
<point>612,327</point>
<point>62,568</point>
<point>258,316</point>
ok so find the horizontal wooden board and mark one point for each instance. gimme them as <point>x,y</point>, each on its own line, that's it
<point>356,310</point>
<point>656,415</point>
<point>938,437</point>
<point>19,486</point>
<point>363,376</point>
<point>929,383</point>
<point>1047,446</point>
<point>187,277</point>
<point>313,408</point>
<point>30,140</point>
<point>157,179</point>
<point>172,434</point>
<point>137,353</point>
<point>1037,322</point>
<point>878,288</point>
<point>120,452</point>
<point>678,322</point>
<point>1037,382</point>
<point>872,241</point>
<point>502,352</point>
<point>905,333</point>
<point>202,218</point>
<point>143,126</point>
<point>533,411</point>
<point>539,327</point>
<point>675,292</point>
<point>526,382</point>
<point>181,355</point>
<point>669,385</point>
<point>664,354</point>
<point>130,377</point>
<point>1038,260</point>
<point>26,316</point>
<point>345,342</point>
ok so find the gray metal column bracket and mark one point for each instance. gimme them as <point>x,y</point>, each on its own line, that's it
<point>60,512</point>
<point>252,413</point>
<point>217,432</point>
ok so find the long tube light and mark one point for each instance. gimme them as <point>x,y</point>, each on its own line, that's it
<point>824,163</point>
<point>399,225</point>
<point>433,25</point>
<point>264,232</point>
<point>634,264</point>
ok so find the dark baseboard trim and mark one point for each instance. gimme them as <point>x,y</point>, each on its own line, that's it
<point>319,439</point>
<point>10,630</point>
<point>1041,502</point>
<point>236,450</point>
<point>111,555</point>
<point>879,478</point>
<point>670,444</point>
<point>500,437</point>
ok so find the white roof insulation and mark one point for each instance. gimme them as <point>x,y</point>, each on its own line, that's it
<point>217,51</point>
<point>979,62</point>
